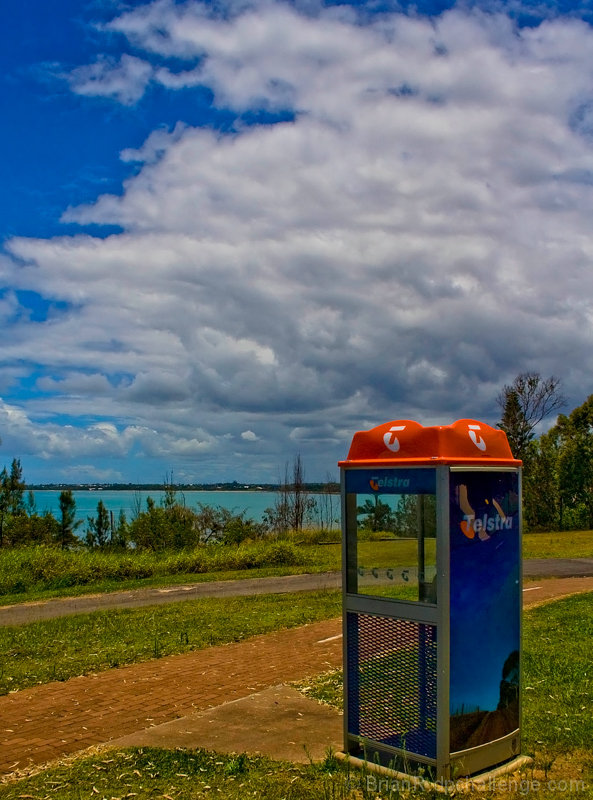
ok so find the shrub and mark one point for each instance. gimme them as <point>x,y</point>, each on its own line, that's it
<point>49,567</point>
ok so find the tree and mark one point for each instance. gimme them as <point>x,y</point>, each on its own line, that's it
<point>376,515</point>
<point>160,528</point>
<point>68,523</point>
<point>12,490</point>
<point>99,528</point>
<point>327,506</point>
<point>293,504</point>
<point>3,502</point>
<point>541,500</point>
<point>558,484</point>
<point>16,488</point>
<point>120,535</point>
<point>524,404</point>
<point>575,466</point>
<point>170,493</point>
<point>30,529</point>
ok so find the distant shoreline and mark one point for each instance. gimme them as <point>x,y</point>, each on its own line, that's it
<point>184,487</point>
<point>254,503</point>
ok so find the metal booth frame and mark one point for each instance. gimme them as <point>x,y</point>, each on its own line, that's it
<point>429,621</point>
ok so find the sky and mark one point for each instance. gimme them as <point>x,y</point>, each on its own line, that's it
<point>232,232</point>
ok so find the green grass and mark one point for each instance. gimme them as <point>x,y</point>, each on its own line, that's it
<point>565,544</point>
<point>114,585</point>
<point>558,731</point>
<point>558,677</point>
<point>37,573</point>
<point>184,775</point>
<point>62,648</point>
<point>558,667</point>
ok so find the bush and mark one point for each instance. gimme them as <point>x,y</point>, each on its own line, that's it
<point>177,527</point>
<point>48,567</point>
<point>23,529</point>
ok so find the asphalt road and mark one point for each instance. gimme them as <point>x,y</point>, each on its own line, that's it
<point>62,607</point>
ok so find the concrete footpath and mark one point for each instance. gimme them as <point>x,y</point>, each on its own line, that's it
<point>231,698</point>
<point>22,613</point>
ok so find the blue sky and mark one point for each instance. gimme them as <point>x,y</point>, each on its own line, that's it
<point>233,232</point>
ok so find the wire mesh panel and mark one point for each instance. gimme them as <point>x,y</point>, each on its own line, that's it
<point>392,677</point>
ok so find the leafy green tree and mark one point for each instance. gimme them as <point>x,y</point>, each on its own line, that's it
<point>237,529</point>
<point>12,489</point>
<point>541,498</point>
<point>558,478</point>
<point>68,523</point>
<point>98,532</point>
<point>16,488</point>
<point>217,524</point>
<point>4,503</point>
<point>121,533</point>
<point>575,466</point>
<point>524,404</point>
<point>376,515</point>
<point>158,528</point>
<point>30,505</point>
<point>28,529</point>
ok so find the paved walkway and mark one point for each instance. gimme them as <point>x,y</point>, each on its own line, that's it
<point>134,598</point>
<point>46,722</point>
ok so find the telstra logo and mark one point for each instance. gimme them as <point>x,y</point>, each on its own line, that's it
<point>473,525</point>
<point>389,483</point>
<point>482,526</point>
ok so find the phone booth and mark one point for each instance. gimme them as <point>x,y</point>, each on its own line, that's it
<point>431,521</point>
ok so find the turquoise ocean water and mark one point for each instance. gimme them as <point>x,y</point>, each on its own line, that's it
<point>253,503</point>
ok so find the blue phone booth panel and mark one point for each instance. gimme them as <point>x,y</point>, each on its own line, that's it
<point>485,598</point>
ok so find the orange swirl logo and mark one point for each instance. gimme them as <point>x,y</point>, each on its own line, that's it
<point>484,525</point>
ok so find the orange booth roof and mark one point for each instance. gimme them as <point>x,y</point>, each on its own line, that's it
<point>408,443</point>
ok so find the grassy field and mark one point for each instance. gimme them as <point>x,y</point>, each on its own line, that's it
<point>567,544</point>
<point>185,775</point>
<point>558,731</point>
<point>62,648</point>
<point>557,694</point>
<point>39,573</point>
<point>35,573</point>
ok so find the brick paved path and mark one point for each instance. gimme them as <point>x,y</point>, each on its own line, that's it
<point>46,722</point>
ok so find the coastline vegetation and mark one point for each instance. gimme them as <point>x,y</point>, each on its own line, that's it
<point>43,555</point>
<point>39,572</point>
<point>168,525</point>
<point>27,572</point>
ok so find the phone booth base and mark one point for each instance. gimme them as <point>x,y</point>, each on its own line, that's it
<point>432,598</point>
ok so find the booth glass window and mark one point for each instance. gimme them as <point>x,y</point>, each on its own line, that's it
<point>391,533</point>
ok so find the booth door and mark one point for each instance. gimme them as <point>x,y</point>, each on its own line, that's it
<point>390,599</point>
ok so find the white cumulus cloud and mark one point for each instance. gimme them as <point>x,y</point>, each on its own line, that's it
<point>412,232</point>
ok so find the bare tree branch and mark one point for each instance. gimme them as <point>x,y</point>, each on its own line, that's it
<point>524,404</point>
